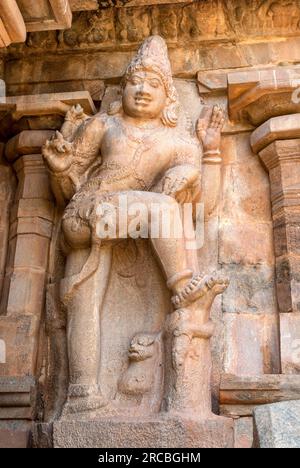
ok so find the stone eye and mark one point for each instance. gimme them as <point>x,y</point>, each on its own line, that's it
<point>135,81</point>
<point>154,84</point>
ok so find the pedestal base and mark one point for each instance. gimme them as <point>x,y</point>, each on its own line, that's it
<point>164,431</point>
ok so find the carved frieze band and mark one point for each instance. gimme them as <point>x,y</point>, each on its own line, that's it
<point>178,23</point>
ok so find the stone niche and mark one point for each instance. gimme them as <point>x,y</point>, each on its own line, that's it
<point>243,58</point>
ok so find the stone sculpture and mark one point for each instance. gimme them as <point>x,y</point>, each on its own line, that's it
<point>145,151</point>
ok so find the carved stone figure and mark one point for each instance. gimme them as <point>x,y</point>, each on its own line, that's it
<point>165,22</point>
<point>133,24</point>
<point>143,349</point>
<point>144,151</point>
<point>94,28</point>
<point>143,375</point>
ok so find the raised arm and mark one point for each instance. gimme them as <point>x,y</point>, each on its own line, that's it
<point>72,154</point>
<point>209,129</point>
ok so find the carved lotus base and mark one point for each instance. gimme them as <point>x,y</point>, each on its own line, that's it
<point>163,431</point>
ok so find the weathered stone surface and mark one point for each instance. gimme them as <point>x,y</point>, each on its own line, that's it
<point>14,434</point>
<point>24,72</point>
<point>187,21</point>
<point>26,142</point>
<point>243,433</point>
<point>246,244</point>
<point>251,290</point>
<point>20,16</point>
<point>20,336</point>
<point>251,344</point>
<point>278,425</point>
<point>16,384</point>
<point>240,395</point>
<point>276,128</point>
<point>23,293</point>
<point>130,374</point>
<point>47,103</point>
<point>242,171</point>
<point>17,398</point>
<point>7,185</point>
<point>81,5</point>
<point>12,28</point>
<point>288,283</point>
<point>258,95</point>
<point>241,57</point>
<point>281,159</point>
<point>42,435</point>
<point>44,15</point>
<point>168,432</point>
<point>290,342</point>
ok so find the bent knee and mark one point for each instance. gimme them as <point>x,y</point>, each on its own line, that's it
<point>77,234</point>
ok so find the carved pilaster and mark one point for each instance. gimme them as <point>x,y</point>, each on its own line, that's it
<point>278,145</point>
<point>29,239</point>
<point>6,192</point>
<point>29,231</point>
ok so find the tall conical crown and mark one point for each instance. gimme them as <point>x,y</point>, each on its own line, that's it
<point>153,55</point>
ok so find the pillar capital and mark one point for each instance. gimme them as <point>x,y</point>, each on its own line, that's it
<point>38,112</point>
<point>274,130</point>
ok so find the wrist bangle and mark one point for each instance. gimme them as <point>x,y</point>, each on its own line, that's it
<point>212,157</point>
<point>212,160</point>
<point>212,153</point>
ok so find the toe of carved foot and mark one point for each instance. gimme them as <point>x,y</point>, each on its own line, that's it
<point>201,288</point>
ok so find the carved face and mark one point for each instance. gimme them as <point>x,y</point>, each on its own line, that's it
<point>144,95</point>
<point>141,347</point>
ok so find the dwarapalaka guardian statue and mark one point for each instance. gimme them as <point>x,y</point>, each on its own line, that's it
<point>144,150</point>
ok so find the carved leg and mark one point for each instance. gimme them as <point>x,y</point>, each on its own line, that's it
<point>188,329</point>
<point>83,294</point>
<point>188,333</point>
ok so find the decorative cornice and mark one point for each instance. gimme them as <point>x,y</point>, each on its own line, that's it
<point>255,96</point>
<point>26,142</point>
<point>40,111</point>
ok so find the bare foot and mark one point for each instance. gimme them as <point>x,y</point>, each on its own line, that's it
<point>205,288</point>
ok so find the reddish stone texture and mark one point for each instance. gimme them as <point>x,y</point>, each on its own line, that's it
<point>239,395</point>
<point>243,433</point>
<point>279,150</point>
<point>290,343</point>
<point>14,434</point>
<point>281,158</point>
<point>255,350</point>
<point>251,234</point>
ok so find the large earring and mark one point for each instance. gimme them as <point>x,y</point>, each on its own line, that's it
<point>170,114</point>
<point>115,108</point>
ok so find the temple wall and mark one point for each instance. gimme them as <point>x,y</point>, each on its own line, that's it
<point>207,43</point>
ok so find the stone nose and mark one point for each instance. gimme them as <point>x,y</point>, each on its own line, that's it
<point>144,89</point>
